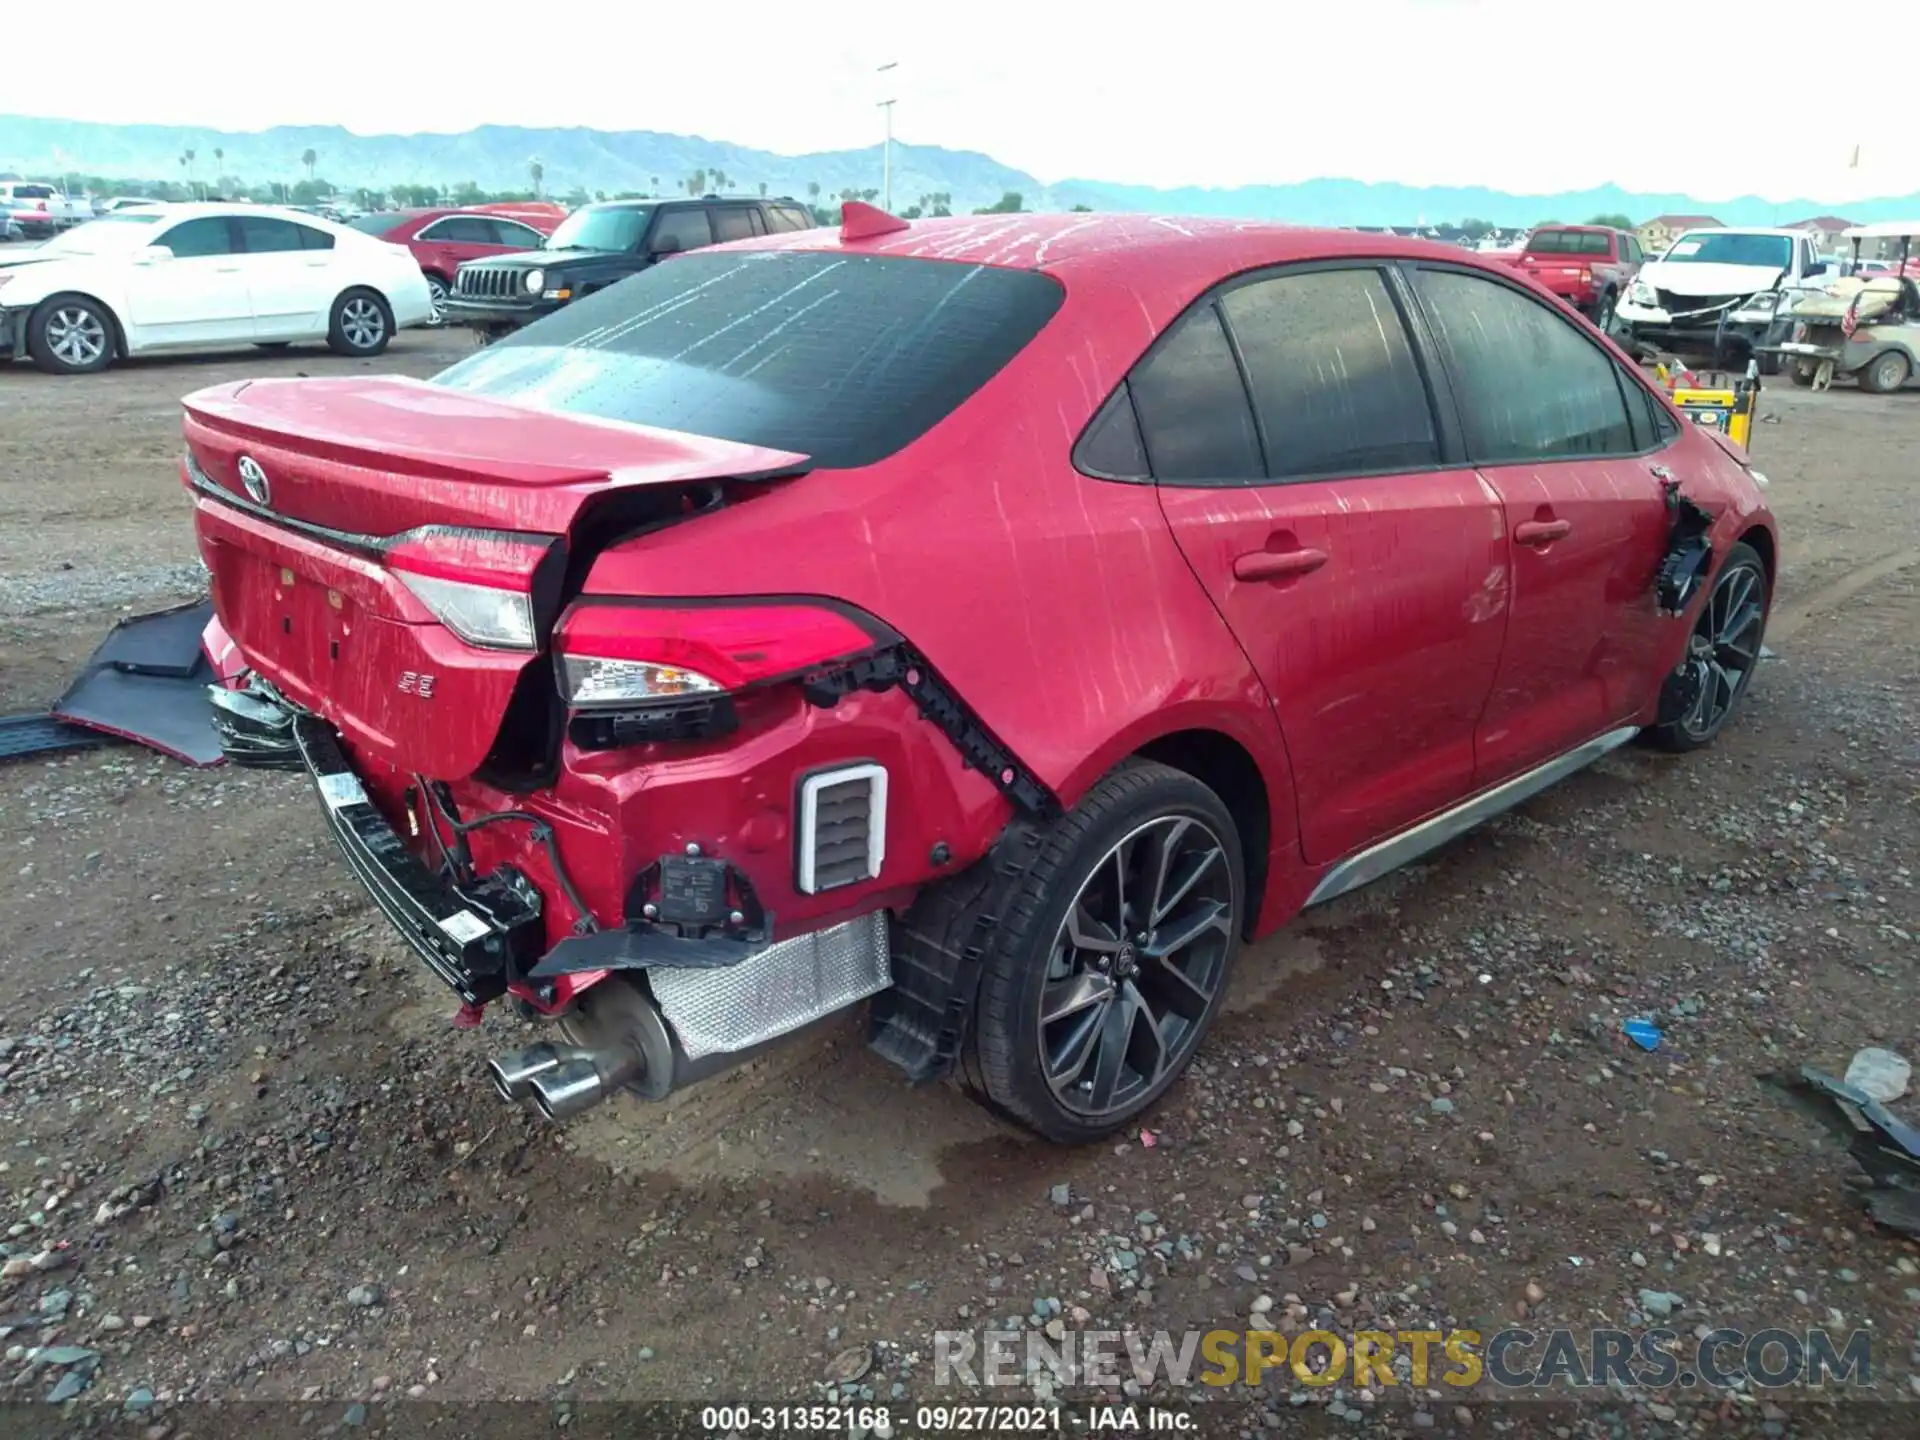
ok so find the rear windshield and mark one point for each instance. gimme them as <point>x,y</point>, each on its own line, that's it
<point>1567,242</point>
<point>33,192</point>
<point>845,358</point>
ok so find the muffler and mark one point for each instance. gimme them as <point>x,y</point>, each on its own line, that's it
<point>627,1045</point>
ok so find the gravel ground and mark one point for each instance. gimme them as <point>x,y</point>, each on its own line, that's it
<point>243,1156</point>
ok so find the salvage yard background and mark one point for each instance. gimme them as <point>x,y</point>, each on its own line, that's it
<point>242,1154</point>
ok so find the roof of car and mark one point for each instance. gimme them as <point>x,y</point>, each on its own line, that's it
<point>1178,247</point>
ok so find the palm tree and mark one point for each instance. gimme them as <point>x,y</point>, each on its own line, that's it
<point>697,183</point>
<point>813,189</point>
<point>763,189</point>
<point>186,163</point>
<point>219,161</point>
<point>538,172</point>
<point>719,179</point>
<point>307,158</point>
<point>653,185</point>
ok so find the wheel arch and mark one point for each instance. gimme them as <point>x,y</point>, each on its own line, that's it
<point>1227,768</point>
<point>1761,541</point>
<point>106,308</point>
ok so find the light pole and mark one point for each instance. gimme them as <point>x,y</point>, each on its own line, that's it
<point>886,149</point>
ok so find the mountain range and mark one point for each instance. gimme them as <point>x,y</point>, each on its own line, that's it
<point>498,157</point>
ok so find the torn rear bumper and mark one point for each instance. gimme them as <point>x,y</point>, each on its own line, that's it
<point>720,993</point>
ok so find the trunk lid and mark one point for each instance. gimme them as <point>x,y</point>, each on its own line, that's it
<point>322,504</point>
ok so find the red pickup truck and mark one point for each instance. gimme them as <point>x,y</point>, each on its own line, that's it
<point>1588,266</point>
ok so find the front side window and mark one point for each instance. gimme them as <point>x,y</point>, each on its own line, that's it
<point>732,222</point>
<point>677,230</point>
<point>1334,379</point>
<point>615,228</point>
<point>460,230</point>
<point>1195,419</point>
<point>193,239</point>
<point>842,358</point>
<point>1530,386</point>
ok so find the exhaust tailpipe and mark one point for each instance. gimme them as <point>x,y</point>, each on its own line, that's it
<point>583,1080</point>
<point>513,1073</point>
<point>631,1047</point>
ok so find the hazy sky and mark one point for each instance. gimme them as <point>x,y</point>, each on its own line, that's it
<point>1524,95</point>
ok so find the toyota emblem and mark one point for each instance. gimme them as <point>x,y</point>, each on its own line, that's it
<point>255,479</point>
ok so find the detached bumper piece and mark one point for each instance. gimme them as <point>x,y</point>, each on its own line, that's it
<point>473,937</point>
<point>147,683</point>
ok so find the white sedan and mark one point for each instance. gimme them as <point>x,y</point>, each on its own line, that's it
<point>150,279</point>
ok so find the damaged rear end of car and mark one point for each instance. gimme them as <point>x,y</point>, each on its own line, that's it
<point>676,823</point>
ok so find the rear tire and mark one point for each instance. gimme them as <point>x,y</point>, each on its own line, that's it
<point>1723,652</point>
<point>1803,374</point>
<point>437,291</point>
<point>70,335</point>
<point>1885,373</point>
<point>361,324</point>
<point>1110,957</point>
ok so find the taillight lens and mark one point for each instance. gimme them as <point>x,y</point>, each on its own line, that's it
<point>630,653</point>
<point>482,615</point>
<point>478,583</point>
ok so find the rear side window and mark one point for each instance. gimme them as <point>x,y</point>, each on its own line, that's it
<point>788,217</point>
<point>1194,417</point>
<point>1334,381</point>
<point>845,358</point>
<point>262,235</point>
<point>512,232</point>
<point>1530,386</point>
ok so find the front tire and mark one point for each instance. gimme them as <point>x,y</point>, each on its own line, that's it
<point>1723,651</point>
<point>1110,957</point>
<point>437,301</point>
<point>361,324</point>
<point>70,335</point>
<point>1803,374</point>
<point>1603,313</point>
<point>1886,373</point>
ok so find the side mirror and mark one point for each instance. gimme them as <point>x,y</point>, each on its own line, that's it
<point>1817,269</point>
<point>667,245</point>
<point>152,255</point>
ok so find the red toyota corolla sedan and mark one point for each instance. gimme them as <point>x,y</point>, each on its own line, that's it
<point>994,620</point>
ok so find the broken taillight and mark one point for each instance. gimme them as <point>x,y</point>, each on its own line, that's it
<point>624,654</point>
<point>477,583</point>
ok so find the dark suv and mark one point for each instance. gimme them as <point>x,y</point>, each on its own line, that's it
<point>599,244</point>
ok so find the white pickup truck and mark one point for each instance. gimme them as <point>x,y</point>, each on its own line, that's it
<point>39,210</point>
<point>1717,291</point>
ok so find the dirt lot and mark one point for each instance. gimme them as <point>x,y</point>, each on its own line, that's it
<point>247,1157</point>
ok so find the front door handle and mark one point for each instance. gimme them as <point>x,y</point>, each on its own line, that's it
<point>1278,564</point>
<point>226,269</point>
<point>1541,532</point>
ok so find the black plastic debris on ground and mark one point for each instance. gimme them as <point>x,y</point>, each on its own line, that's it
<point>146,683</point>
<point>24,735</point>
<point>1883,1145</point>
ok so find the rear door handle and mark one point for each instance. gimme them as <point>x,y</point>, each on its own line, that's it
<point>1277,564</point>
<point>226,269</point>
<point>1541,532</point>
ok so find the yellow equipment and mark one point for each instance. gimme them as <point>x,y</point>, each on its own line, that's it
<point>1710,401</point>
